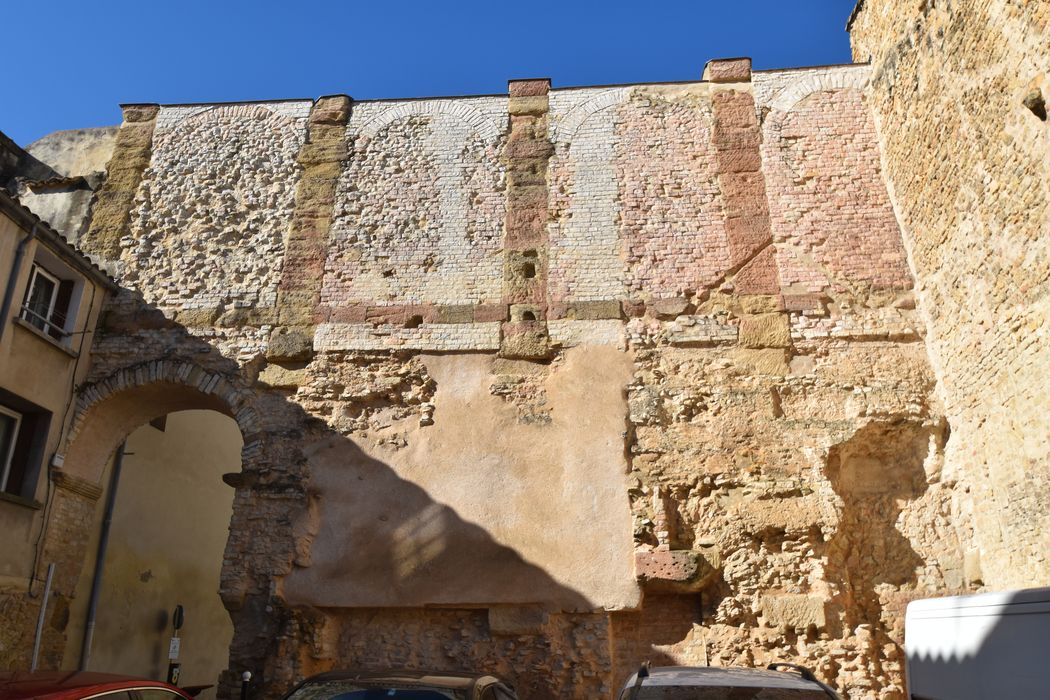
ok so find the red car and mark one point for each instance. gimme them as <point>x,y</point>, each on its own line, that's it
<point>76,685</point>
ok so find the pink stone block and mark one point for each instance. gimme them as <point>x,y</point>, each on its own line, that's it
<point>728,70</point>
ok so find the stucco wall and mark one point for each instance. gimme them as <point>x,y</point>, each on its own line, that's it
<point>76,151</point>
<point>63,198</point>
<point>483,507</point>
<point>956,89</point>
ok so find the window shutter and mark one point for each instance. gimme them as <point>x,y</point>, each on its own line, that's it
<point>58,317</point>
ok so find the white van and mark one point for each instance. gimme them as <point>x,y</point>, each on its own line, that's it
<point>989,646</point>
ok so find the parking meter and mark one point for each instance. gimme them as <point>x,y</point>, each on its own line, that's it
<point>177,618</point>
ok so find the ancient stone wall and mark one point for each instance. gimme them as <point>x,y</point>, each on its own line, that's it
<point>605,373</point>
<point>958,90</point>
<point>420,207</point>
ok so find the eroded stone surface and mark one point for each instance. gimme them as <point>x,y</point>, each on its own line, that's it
<point>968,163</point>
<point>608,373</point>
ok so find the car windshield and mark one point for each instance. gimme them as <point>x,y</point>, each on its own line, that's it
<point>724,693</point>
<point>355,690</point>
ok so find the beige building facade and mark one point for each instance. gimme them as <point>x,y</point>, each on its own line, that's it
<point>53,296</point>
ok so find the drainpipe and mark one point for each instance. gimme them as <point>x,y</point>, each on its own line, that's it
<point>103,541</point>
<point>12,279</point>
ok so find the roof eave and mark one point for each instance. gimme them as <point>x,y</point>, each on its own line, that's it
<point>27,221</point>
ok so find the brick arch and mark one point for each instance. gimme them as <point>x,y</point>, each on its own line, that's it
<point>270,487</point>
<point>479,123</point>
<point>220,183</point>
<point>780,118</point>
<point>565,129</point>
<point>283,124</point>
<point>109,409</point>
<point>806,85</point>
<point>825,138</point>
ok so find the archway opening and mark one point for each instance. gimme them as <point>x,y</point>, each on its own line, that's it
<point>169,526</point>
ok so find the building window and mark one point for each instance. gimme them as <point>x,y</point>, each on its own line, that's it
<point>10,423</point>
<point>23,436</point>
<point>47,302</point>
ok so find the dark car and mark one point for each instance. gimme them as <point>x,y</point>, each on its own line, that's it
<point>709,683</point>
<point>77,685</point>
<point>401,685</point>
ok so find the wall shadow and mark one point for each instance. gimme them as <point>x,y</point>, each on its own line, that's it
<point>875,472</point>
<point>318,524</point>
<point>382,541</point>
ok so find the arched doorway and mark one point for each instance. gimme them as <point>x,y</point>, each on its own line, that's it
<point>119,406</point>
<point>169,527</point>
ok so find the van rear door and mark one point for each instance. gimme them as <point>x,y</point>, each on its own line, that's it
<point>988,646</point>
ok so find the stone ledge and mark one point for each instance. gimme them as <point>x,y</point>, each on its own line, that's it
<point>68,482</point>
<point>19,501</point>
<point>681,571</point>
<point>568,333</point>
<point>529,87</point>
<point>598,310</point>
<point>427,337</point>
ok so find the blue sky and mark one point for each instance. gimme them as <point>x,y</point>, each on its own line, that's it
<point>71,63</point>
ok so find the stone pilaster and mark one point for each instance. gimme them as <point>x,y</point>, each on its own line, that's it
<point>113,203</point>
<point>764,337</point>
<point>525,250</point>
<point>299,292</point>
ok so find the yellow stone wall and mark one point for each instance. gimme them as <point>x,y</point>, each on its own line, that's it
<point>958,93</point>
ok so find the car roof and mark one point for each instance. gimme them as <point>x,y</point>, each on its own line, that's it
<point>437,679</point>
<point>43,684</point>
<point>711,676</point>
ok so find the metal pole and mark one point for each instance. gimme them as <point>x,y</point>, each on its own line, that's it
<point>100,557</point>
<point>12,280</point>
<point>40,618</point>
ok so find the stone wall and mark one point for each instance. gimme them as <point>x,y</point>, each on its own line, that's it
<point>958,90</point>
<point>549,383</point>
<point>214,206</point>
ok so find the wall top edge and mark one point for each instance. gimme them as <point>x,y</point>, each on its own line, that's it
<point>565,88</point>
<point>824,66</point>
<point>290,100</point>
<point>853,15</point>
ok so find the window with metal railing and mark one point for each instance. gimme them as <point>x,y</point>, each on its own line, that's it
<point>47,302</point>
